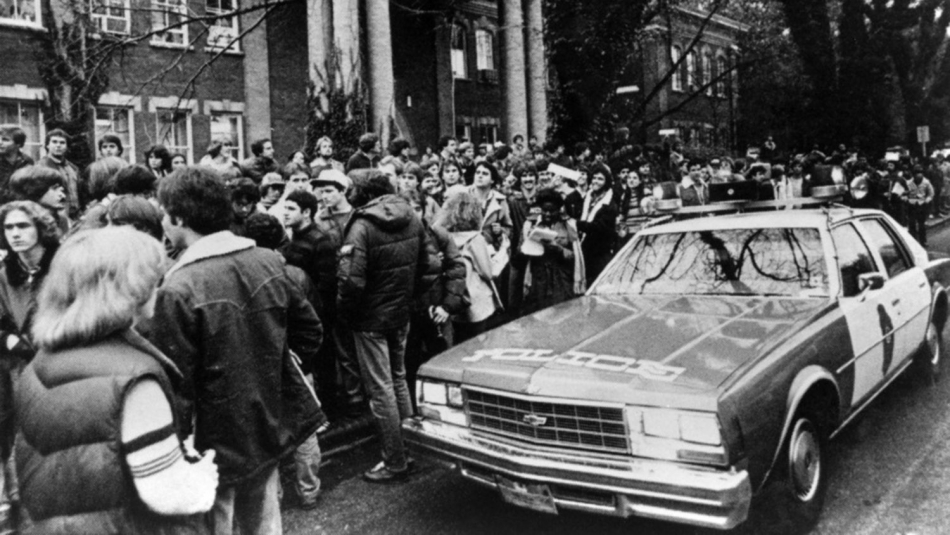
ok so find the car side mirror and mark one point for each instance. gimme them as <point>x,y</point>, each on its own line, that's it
<point>870,281</point>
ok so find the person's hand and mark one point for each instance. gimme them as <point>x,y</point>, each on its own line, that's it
<point>439,315</point>
<point>205,478</point>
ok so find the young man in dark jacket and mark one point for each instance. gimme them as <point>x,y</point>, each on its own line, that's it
<point>382,262</point>
<point>228,315</point>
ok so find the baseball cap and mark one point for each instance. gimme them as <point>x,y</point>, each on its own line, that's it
<point>332,177</point>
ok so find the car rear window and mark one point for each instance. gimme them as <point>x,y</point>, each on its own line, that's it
<point>770,261</point>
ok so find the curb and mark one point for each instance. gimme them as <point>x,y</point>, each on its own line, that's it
<point>347,431</point>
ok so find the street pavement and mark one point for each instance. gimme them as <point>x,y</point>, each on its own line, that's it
<point>890,474</point>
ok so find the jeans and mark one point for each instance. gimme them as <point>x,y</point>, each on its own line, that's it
<point>250,507</point>
<point>348,366</point>
<point>307,459</point>
<point>917,219</point>
<point>382,363</point>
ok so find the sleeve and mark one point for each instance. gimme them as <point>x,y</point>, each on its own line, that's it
<point>351,270</point>
<point>603,222</point>
<point>422,265</point>
<point>164,480</point>
<point>453,275</point>
<point>174,330</point>
<point>304,330</point>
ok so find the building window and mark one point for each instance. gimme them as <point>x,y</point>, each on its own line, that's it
<point>463,132</point>
<point>488,131</point>
<point>223,32</point>
<point>459,52</point>
<point>707,72</point>
<point>229,126</point>
<point>20,12</point>
<point>118,122</point>
<point>30,118</point>
<point>485,49</point>
<point>675,55</point>
<point>168,13</point>
<point>174,131</point>
<point>111,16</point>
<point>722,76</point>
<point>691,70</point>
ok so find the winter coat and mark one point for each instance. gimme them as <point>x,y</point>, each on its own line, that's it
<point>256,167</point>
<point>361,160</point>
<point>382,262</point>
<point>495,210</point>
<point>478,277</point>
<point>444,279</point>
<point>598,225</point>
<point>6,171</point>
<point>18,301</point>
<point>73,475</point>
<point>228,314</point>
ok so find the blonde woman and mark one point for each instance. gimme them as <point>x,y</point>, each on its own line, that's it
<point>98,448</point>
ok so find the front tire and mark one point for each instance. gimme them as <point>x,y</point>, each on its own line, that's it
<point>930,358</point>
<point>805,481</point>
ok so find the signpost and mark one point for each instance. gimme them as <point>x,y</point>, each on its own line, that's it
<point>923,136</point>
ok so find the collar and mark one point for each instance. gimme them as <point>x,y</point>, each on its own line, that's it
<point>211,246</point>
<point>138,341</point>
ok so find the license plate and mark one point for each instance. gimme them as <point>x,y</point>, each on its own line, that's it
<point>535,497</point>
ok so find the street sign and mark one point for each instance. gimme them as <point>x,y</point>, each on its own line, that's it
<point>923,134</point>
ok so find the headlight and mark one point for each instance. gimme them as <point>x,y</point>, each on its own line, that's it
<point>676,435</point>
<point>440,401</point>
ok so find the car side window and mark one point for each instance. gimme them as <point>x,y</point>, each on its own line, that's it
<point>892,254</point>
<point>854,258</point>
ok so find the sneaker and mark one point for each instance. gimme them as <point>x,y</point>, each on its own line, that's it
<point>382,474</point>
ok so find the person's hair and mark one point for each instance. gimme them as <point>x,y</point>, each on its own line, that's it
<point>552,145</point>
<point>296,152</point>
<point>414,169</point>
<point>502,152</point>
<point>461,212</point>
<point>464,146</point>
<point>176,155</point>
<point>580,148</point>
<point>102,174</point>
<point>293,168</point>
<point>524,168</point>
<point>495,175</point>
<point>135,180</point>
<point>397,164</point>
<point>17,134</point>
<point>398,145</point>
<point>368,141</point>
<point>47,231</point>
<point>214,149</point>
<point>114,139</point>
<point>245,190</point>
<point>136,212</point>
<point>56,132</point>
<point>321,141</point>
<point>265,230</point>
<point>446,165</point>
<point>517,137</point>
<point>159,151</point>
<point>196,195</point>
<point>30,183</point>
<point>369,184</point>
<point>94,288</point>
<point>257,148</point>
<point>549,195</point>
<point>444,141</point>
<point>603,170</point>
<point>304,199</point>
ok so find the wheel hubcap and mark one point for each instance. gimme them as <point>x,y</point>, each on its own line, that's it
<point>804,461</point>
<point>933,345</point>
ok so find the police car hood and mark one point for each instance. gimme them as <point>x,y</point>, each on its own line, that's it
<point>651,350</point>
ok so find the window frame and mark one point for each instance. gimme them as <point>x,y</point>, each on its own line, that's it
<point>41,127</point>
<point>163,8</point>
<point>707,71</point>
<point>237,148</point>
<point>102,20</point>
<point>37,15</point>
<point>862,242</point>
<point>722,66</point>
<point>691,70</point>
<point>485,53</point>
<point>231,42</point>
<point>128,152</point>
<point>458,31</point>
<point>190,152</point>
<point>676,53</point>
<point>902,253</point>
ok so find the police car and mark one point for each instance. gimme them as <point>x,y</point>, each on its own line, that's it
<point>714,356</point>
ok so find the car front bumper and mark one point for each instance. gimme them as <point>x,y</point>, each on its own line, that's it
<point>599,483</point>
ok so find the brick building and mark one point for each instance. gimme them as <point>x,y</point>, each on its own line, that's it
<point>476,71</point>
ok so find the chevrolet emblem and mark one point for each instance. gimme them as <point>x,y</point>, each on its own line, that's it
<point>534,420</point>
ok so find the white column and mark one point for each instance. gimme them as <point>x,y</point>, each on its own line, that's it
<point>346,37</point>
<point>380,58</point>
<point>516,97</point>
<point>537,72</point>
<point>319,38</point>
<point>257,123</point>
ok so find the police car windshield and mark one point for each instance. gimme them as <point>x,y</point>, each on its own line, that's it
<point>766,262</point>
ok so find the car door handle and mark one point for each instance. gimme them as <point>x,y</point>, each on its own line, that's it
<point>896,302</point>
<point>921,285</point>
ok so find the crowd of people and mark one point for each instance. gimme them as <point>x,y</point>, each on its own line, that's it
<point>170,332</point>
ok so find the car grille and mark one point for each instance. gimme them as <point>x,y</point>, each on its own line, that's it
<point>564,424</point>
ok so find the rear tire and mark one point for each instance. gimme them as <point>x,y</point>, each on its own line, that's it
<point>930,359</point>
<point>805,472</point>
